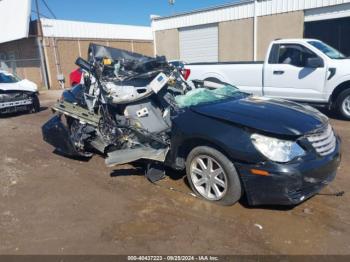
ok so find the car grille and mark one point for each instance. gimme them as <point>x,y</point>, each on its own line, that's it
<point>324,142</point>
<point>13,96</point>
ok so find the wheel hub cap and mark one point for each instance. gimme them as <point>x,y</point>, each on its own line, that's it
<point>208,177</point>
<point>346,105</point>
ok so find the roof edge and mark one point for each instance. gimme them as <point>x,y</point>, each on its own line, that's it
<point>89,22</point>
<point>202,10</point>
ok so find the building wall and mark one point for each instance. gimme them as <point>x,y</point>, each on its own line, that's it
<point>236,37</point>
<point>288,25</point>
<point>167,43</point>
<point>236,40</point>
<point>22,58</point>
<point>68,50</point>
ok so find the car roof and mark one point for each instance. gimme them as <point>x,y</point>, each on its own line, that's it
<point>285,40</point>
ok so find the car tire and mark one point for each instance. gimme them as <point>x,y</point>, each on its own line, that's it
<point>342,104</point>
<point>219,186</point>
<point>36,104</point>
<point>73,125</point>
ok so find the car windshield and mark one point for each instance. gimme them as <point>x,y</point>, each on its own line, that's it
<point>207,94</point>
<point>327,50</point>
<point>8,79</point>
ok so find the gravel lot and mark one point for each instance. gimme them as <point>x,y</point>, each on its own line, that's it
<point>55,205</point>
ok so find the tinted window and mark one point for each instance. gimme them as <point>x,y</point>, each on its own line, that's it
<point>274,54</point>
<point>290,54</point>
<point>7,79</point>
<point>327,50</point>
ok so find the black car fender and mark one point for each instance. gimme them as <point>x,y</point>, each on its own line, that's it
<point>191,129</point>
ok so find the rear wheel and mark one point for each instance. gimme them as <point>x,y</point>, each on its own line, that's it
<point>343,104</point>
<point>213,176</point>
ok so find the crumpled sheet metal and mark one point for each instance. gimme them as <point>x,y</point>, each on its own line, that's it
<point>124,156</point>
<point>100,52</point>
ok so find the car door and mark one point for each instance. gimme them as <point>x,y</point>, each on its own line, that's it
<point>287,74</point>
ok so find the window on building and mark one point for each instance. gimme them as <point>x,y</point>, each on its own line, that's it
<point>2,57</point>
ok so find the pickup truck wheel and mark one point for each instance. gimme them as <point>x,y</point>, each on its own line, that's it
<point>343,104</point>
<point>213,176</point>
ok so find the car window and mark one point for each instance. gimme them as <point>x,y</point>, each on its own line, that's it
<point>7,79</point>
<point>327,50</point>
<point>290,54</point>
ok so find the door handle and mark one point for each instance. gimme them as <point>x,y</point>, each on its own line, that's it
<point>278,72</point>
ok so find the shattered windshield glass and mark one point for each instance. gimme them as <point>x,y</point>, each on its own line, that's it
<point>204,95</point>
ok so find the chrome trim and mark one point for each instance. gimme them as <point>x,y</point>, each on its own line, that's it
<point>323,142</point>
<point>16,103</point>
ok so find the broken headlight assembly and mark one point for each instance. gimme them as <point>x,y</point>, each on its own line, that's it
<point>276,149</point>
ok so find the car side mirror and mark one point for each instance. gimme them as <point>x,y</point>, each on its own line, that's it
<point>314,62</point>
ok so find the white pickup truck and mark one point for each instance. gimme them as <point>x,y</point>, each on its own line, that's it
<point>304,70</point>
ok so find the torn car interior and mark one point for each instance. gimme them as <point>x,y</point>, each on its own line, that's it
<point>123,109</point>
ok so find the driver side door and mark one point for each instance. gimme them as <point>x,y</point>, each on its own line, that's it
<point>287,75</point>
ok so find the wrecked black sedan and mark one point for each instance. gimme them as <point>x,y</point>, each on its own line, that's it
<point>230,143</point>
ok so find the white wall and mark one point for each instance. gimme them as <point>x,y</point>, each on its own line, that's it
<point>240,10</point>
<point>14,19</point>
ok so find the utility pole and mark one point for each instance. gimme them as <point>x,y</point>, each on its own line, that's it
<point>172,3</point>
<point>255,51</point>
<point>40,46</point>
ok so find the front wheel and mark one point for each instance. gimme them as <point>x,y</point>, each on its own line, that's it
<point>343,104</point>
<point>77,134</point>
<point>36,103</point>
<point>213,176</point>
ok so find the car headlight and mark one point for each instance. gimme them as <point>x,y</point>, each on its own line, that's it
<point>276,149</point>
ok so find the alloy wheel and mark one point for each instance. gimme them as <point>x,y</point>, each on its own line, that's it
<point>346,105</point>
<point>208,177</point>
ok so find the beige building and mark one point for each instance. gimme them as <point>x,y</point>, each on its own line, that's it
<point>243,30</point>
<point>50,58</point>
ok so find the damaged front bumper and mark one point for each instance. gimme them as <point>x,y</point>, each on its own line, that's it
<point>289,184</point>
<point>13,101</point>
<point>15,106</point>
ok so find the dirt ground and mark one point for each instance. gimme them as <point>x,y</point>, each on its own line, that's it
<point>50,204</point>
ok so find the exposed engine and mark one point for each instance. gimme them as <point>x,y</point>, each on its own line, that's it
<point>123,109</point>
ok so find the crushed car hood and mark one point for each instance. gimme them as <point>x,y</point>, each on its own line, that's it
<point>269,115</point>
<point>23,85</point>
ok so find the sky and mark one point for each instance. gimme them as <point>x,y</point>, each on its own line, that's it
<point>135,12</point>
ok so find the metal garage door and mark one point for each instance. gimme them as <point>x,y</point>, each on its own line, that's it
<point>335,32</point>
<point>331,25</point>
<point>199,44</point>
